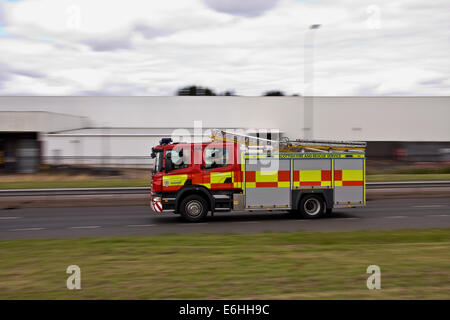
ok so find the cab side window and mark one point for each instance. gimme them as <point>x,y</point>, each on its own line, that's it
<point>180,158</point>
<point>215,158</point>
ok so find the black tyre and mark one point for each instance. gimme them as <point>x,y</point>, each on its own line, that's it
<point>194,208</point>
<point>312,207</point>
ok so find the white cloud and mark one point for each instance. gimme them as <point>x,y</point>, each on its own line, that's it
<point>247,8</point>
<point>2,15</point>
<point>152,47</point>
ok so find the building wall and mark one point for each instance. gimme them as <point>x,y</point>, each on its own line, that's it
<point>382,118</point>
<point>123,129</point>
<point>37,121</point>
<point>118,147</point>
<point>346,118</point>
<point>167,112</point>
<point>129,151</point>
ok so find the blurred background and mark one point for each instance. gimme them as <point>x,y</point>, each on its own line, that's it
<point>86,89</point>
<point>113,136</point>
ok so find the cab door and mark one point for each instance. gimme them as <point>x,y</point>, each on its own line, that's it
<point>176,178</point>
<point>217,167</point>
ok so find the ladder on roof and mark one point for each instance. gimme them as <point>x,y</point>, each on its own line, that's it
<point>286,145</point>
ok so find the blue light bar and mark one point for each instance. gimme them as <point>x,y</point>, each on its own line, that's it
<point>165,141</point>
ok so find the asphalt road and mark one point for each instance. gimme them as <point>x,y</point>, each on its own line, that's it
<point>24,223</point>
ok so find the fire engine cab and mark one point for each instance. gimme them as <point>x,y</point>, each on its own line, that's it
<point>238,172</point>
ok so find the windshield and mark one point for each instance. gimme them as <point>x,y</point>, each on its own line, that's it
<point>158,162</point>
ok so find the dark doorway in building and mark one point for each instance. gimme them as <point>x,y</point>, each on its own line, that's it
<point>19,152</point>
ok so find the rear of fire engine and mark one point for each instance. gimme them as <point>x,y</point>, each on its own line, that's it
<point>193,179</point>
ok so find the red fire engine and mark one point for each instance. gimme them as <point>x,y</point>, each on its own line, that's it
<point>310,177</point>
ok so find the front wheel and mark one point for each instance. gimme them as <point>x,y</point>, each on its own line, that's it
<point>193,208</point>
<point>312,207</point>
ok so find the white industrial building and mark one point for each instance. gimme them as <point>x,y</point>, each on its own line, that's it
<point>122,130</point>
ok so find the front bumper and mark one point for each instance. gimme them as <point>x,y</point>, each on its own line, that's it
<point>156,203</point>
<point>162,202</point>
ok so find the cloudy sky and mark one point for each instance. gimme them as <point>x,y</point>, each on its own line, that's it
<point>153,47</point>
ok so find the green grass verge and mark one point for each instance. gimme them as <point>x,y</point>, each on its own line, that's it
<point>423,170</point>
<point>415,264</point>
<point>104,183</point>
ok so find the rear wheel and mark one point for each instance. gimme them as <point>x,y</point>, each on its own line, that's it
<point>194,208</point>
<point>312,207</point>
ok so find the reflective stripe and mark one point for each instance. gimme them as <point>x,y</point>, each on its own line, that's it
<point>174,180</point>
<point>279,184</point>
<point>284,184</point>
<point>348,183</point>
<point>312,178</point>
<point>352,175</point>
<point>348,178</point>
<point>291,173</point>
<point>364,180</point>
<point>243,172</point>
<point>220,180</point>
<point>268,179</point>
<point>310,175</point>
<point>305,156</point>
<point>250,184</point>
<point>219,177</point>
<point>237,184</point>
<point>156,204</point>
<point>332,173</point>
<point>266,176</point>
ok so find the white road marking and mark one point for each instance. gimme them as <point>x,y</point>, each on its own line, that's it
<point>430,206</point>
<point>9,218</point>
<point>85,227</point>
<point>396,217</point>
<point>28,229</point>
<point>438,215</point>
<point>141,225</point>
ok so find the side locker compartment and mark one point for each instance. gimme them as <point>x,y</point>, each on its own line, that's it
<point>312,173</point>
<point>348,181</point>
<point>312,176</point>
<point>267,183</point>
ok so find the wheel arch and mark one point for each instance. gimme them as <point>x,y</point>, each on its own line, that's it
<point>327,196</point>
<point>199,190</point>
